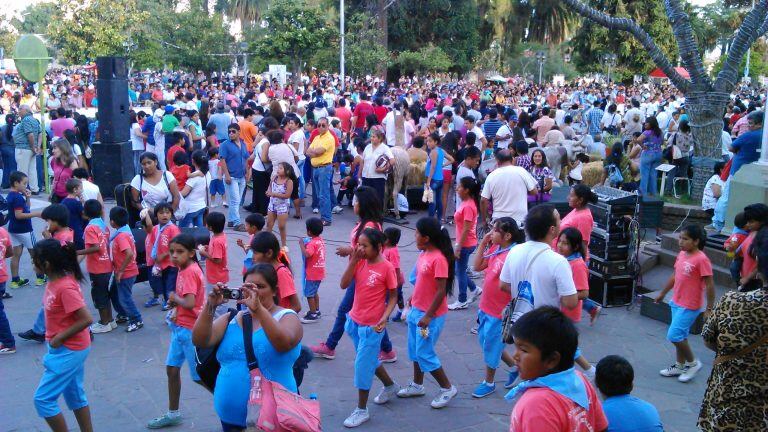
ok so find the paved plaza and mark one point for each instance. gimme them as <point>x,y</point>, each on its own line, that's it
<point>126,382</point>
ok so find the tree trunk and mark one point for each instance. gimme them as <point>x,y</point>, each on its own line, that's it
<point>705,113</point>
<point>382,21</point>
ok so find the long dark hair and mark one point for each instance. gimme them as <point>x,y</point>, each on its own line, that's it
<point>575,240</point>
<point>441,240</point>
<point>60,260</point>
<point>369,207</point>
<point>654,126</point>
<point>473,187</point>
<point>200,159</point>
<point>697,234</point>
<point>264,242</point>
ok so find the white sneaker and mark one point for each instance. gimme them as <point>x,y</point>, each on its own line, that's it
<point>113,324</point>
<point>444,397</point>
<point>690,372</point>
<point>457,305</point>
<point>411,390</point>
<point>358,417</point>
<point>386,393</point>
<point>337,210</point>
<point>675,370</point>
<point>474,295</point>
<point>98,327</point>
<point>315,211</point>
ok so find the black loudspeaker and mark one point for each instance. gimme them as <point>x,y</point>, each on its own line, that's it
<point>114,123</point>
<point>111,68</point>
<point>112,165</point>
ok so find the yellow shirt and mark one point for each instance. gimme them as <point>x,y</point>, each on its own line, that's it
<point>327,142</point>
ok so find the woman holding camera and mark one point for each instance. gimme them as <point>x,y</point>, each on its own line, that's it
<point>276,338</point>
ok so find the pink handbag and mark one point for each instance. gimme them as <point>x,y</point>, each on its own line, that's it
<point>272,407</point>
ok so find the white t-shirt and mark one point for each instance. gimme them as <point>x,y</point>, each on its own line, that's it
<point>282,153</point>
<point>90,191</point>
<point>550,274</point>
<point>370,155</point>
<point>726,141</point>
<point>257,165</point>
<point>153,195</point>
<point>195,200</point>
<point>708,200</point>
<point>460,174</point>
<point>213,169</point>
<point>479,135</point>
<point>137,142</point>
<point>298,137</point>
<point>508,188</point>
<point>504,130</point>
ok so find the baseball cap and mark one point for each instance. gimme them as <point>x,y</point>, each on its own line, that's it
<point>169,109</point>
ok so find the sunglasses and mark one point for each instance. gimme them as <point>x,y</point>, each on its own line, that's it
<point>232,131</point>
<point>322,125</point>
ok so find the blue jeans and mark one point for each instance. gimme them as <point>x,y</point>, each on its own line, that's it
<point>718,220</point>
<point>136,161</point>
<point>341,319</point>
<point>321,182</point>
<point>589,305</point>
<point>39,326</point>
<point>649,160</point>
<point>300,175</point>
<point>235,191</point>
<point>192,219</point>
<point>437,203</point>
<point>461,273</point>
<point>6,337</point>
<point>9,163</point>
<point>124,293</point>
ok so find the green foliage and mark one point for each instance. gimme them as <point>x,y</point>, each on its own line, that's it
<point>296,32</point>
<point>522,61</point>
<point>36,18</point>
<point>757,62</point>
<point>429,59</point>
<point>592,40</point>
<point>362,52</point>
<point>450,25</point>
<point>195,37</point>
<point>7,41</point>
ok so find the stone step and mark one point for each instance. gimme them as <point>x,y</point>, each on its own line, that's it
<point>662,312</point>
<point>716,255</point>
<point>721,274</point>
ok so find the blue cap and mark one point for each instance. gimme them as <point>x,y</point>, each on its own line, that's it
<point>169,109</point>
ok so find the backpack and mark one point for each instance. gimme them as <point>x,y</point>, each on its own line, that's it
<point>614,175</point>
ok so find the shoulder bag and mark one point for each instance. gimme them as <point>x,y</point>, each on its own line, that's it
<point>271,406</point>
<point>521,304</point>
<point>207,365</point>
<point>742,352</point>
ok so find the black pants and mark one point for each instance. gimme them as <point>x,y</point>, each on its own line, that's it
<point>378,184</point>
<point>260,184</point>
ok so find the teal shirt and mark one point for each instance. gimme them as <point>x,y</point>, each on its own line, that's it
<point>27,125</point>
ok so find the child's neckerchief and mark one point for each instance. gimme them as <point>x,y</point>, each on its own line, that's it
<point>99,222</point>
<point>574,256</point>
<point>160,229</point>
<point>499,251</point>
<point>566,383</point>
<point>123,229</point>
<point>739,231</point>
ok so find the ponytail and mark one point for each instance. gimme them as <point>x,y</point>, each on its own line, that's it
<point>49,254</point>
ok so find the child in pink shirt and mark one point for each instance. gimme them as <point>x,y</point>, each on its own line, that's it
<point>755,216</point>
<point>98,264</point>
<point>313,251</point>
<point>392,254</point>
<point>691,279</point>
<point>465,218</point>
<point>552,396</point>
<point>216,252</point>
<point>57,218</point>
<point>733,246</point>
<point>161,236</point>
<point>493,251</point>
<point>375,298</point>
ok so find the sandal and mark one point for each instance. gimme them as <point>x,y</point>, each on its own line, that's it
<point>297,216</point>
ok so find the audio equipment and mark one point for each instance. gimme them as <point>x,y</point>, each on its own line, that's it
<point>111,68</point>
<point>112,165</point>
<point>114,122</point>
<point>611,291</point>
<point>614,196</point>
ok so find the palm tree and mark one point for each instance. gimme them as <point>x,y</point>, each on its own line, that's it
<point>248,12</point>
<point>551,22</point>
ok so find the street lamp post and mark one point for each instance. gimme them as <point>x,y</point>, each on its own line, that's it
<point>341,53</point>
<point>541,56</point>
<point>244,50</point>
<point>610,61</point>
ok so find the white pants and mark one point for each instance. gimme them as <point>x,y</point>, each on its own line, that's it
<point>26,162</point>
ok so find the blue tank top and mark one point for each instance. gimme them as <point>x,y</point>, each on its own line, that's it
<point>233,384</point>
<point>439,170</point>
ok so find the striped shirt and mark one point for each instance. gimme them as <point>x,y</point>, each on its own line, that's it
<point>594,116</point>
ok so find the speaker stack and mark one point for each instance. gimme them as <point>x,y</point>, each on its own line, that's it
<point>611,282</point>
<point>112,157</point>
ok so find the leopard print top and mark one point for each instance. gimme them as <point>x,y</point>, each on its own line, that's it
<point>737,391</point>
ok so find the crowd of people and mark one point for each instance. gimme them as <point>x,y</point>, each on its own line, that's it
<point>199,141</point>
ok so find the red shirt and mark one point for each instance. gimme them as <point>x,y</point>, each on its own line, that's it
<point>494,300</point>
<point>97,263</point>
<point>466,212</point>
<point>345,117</point>
<point>64,236</point>
<point>361,112</point>
<point>169,157</point>
<point>392,254</point>
<point>190,281</point>
<point>690,271</point>
<point>5,246</point>
<point>181,174</point>
<point>371,284</point>
<point>581,280</point>
<point>285,286</point>
<point>120,244</point>
<point>315,268</point>
<point>61,299</point>
<point>540,409</point>
<point>168,234</point>
<point>581,220</point>
<point>430,266</point>
<point>380,112</point>
<point>217,248</point>
<point>749,264</point>
<point>353,233</point>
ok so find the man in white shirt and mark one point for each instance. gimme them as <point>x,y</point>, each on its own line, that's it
<point>633,112</point>
<point>508,186</point>
<point>481,142</point>
<point>534,261</point>
<point>395,127</point>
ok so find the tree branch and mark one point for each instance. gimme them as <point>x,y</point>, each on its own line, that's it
<point>629,26</point>
<point>746,35</point>
<point>687,46</point>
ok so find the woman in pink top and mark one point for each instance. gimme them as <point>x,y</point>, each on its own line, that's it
<point>434,281</point>
<point>465,218</point>
<point>62,163</point>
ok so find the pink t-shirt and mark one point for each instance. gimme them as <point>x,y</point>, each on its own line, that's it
<point>541,409</point>
<point>285,286</point>
<point>494,300</point>
<point>60,125</point>
<point>64,236</point>
<point>61,174</point>
<point>217,248</point>
<point>61,299</point>
<point>392,254</point>
<point>581,220</point>
<point>430,266</point>
<point>5,246</point>
<point>690,271</point>
<point>120,244</point>
<point>315,269</point>
<point>352,234</point>
<point>97,263</point>
<point>749,264</point>
<point>190,281</point>
<point>581,280</point>
<point>371,284</point>
<point>467,212</point>
<point>163,247</point>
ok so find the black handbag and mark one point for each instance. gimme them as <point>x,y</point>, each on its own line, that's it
<point>207,364</point>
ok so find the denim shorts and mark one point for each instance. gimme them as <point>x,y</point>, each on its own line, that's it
<point>217,187</point>
<point>64,373</point>
<point>367,346</point>
<point>422,350</point>
<point>682,320</point>
<point>311,287</point>
<point>181,349</point>
<point>489,336</point>
<point>100,289</point>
